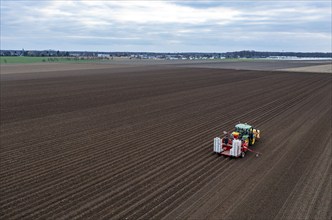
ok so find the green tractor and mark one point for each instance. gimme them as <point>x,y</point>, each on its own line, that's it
<point>239,141</point>
<point>246,133</point>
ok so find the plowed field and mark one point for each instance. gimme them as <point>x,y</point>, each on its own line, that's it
<point>136,143</point>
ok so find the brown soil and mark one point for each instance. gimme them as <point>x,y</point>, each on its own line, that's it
<point>136,143</point>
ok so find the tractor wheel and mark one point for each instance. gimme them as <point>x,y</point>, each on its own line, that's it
<point>243,154</point>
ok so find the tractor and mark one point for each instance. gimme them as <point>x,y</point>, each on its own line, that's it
<point>238,142</point>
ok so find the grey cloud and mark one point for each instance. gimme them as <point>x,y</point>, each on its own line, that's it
<point>82,25</point>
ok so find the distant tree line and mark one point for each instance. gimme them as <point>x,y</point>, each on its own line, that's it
<point>258,54</point>
<point>35,53</point>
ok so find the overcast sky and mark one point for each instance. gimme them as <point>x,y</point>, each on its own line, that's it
<point>167,26</point>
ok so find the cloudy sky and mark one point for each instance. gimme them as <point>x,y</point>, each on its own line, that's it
<point>167,26</point>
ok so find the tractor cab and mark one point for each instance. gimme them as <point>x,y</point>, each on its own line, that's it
<point>243,131</point>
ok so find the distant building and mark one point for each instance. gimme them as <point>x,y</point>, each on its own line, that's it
<point>74,54</point>
<point>101,55</point>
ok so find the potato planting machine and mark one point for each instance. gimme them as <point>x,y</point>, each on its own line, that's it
<point>238,142</point>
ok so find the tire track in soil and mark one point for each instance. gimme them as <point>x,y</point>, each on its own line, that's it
<point>167,206</point>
